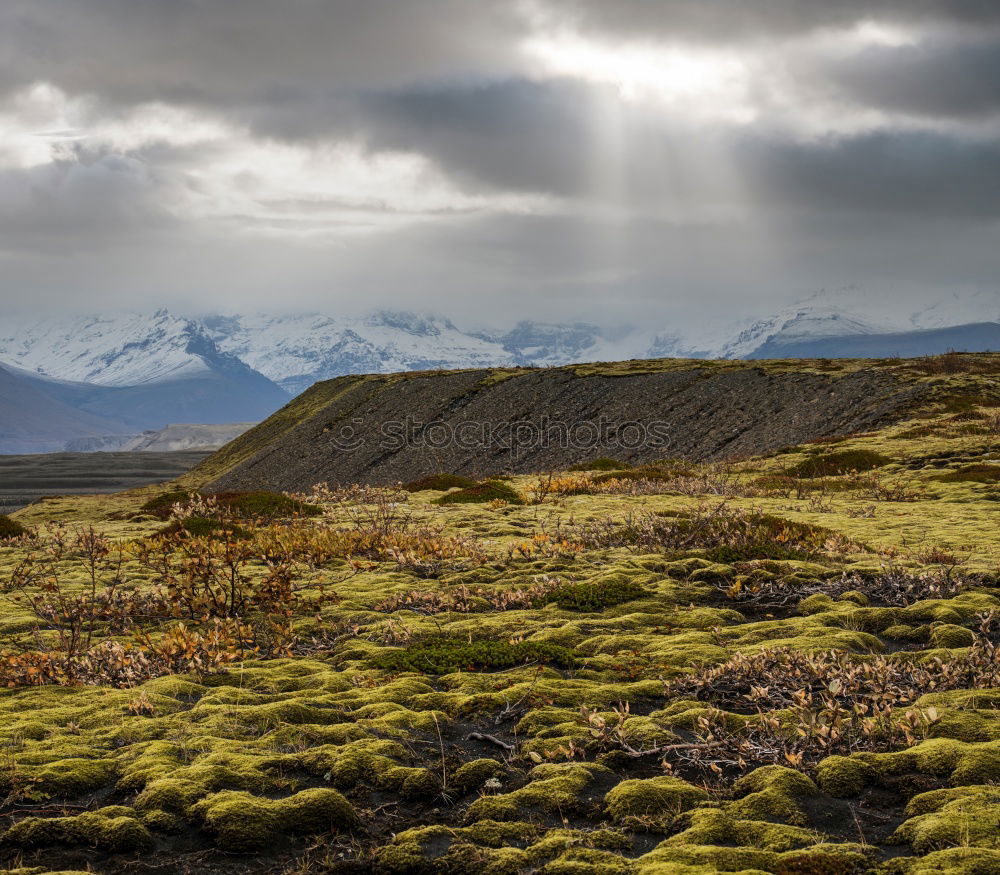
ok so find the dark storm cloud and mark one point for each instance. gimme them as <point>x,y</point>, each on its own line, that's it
<point>905,201</point>
<point>539,136</point>
<point>517,134</point>
<point>252,51</point>
<point>879,174</point>
<point>944,76</point>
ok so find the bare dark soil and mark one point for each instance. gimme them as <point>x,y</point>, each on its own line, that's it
<point>24,479</point>
<point>355,434</point>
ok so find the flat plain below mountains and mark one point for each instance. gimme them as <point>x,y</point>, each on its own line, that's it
<point>777,651</point>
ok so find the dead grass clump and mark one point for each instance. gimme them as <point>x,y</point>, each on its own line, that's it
<point>733,534</point>
<point>953,362</point>
<point>806,707</point>
<point>894,587</point>
<point>772,679</point>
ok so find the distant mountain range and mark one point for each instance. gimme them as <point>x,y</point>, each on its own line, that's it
<point>99,380</point>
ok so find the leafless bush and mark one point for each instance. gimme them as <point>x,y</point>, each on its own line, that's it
<point>893,587</point>
<point>720,527</point>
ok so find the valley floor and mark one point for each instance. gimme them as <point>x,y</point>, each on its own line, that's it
<point>24,479</point>
<point>787,665</point>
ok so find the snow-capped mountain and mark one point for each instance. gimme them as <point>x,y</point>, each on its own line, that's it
<point>297,350</point>
<point>122,349</point>
<point>797,324</point>
<point>956,309</point>
<point>132,372</point>
<point>142,371</point>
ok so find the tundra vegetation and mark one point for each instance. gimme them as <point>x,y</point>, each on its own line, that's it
<point>783,664</point>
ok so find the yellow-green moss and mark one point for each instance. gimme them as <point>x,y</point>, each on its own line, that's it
<point>661,797</point>
<point>243,822</point>
<point>105,829</point>
<point>552,787</point>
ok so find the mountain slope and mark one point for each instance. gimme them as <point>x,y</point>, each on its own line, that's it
<point>238,394</point>
<point>32,421</point>
<point>297,350</point>
<point>122,349</point>
<point>800,323</point>
<point>142,371</point>
<point>963,338</point>
<point>353,429</point>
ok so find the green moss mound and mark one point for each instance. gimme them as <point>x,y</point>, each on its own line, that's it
<point>161,505</point>
<point>652,797</point>
<point>10,528</point>
<point>594,596</point>
<point>602,464</point>
<point>243,822</point>
<point>440,483</point>
<point>972,474</point>
<point>483,493</point>
<point>263,503</point>
<point>108,829</point>
<point>445,655</point>
<point>646,473</point>
<point>250,505</point>
<point>835,464</point>
<point>761,550</point>
<point>205,527</point>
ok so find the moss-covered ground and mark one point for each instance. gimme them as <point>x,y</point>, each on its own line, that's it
<point>733,668</point>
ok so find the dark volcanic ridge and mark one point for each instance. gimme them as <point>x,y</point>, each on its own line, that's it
<point>374,429</point>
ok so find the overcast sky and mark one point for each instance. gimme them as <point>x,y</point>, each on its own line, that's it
<point>673,160</point>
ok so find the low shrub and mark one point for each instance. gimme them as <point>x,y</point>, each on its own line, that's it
<point>257,504</point>
<point>204,527</point>
<point>835,464</point>
<point>162,505</point>
<point>262,503</point>
<point>439,483</point>
<point>483,493</point>
<point>646,473</point>
<point>444,655</point>
<point>10,528</point>
<point>747,534</point>
<point>601,464</point>
<point>593,596</point>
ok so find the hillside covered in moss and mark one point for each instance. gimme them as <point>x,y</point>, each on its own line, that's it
<point>779,662</point>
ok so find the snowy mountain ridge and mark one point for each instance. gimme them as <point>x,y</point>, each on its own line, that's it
<point>123,349</point>
<point>295,350</point>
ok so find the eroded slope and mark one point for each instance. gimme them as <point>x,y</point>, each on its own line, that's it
<point>349,431</point>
